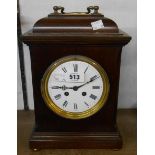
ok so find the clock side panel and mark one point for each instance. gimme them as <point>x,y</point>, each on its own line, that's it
<point>107,56</point>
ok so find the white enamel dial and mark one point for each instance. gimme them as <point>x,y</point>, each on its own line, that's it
<point>74,87</point>
<point>73,90</point>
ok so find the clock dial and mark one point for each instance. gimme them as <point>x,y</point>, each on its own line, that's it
<point>75,87</point>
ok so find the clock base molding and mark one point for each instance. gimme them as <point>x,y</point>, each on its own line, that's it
<point>75,140</point>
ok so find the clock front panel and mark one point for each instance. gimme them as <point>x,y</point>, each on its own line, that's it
<point>105,118</point>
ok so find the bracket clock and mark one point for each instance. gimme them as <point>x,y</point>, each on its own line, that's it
<point>75,75</point>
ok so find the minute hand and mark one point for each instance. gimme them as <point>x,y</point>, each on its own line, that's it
<point>91,80</point>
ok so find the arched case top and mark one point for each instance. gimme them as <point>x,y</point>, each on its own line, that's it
<point>62,27</point>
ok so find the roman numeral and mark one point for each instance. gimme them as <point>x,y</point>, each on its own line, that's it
<point>65,104</point>
<point>93,97</point>
<point>96,87</point>
<point>85,70</point>
<point>75,106</point>
<point>75,67</point>
<point>57,96</point>
<point>86,104</point>
<point>64,69</point>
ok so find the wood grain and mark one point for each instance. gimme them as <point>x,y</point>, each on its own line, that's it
<point>126,122</point>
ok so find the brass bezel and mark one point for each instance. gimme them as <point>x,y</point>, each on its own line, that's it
<point>72,115</point>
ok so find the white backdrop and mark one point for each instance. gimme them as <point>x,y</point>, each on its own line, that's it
<point>123,12</point>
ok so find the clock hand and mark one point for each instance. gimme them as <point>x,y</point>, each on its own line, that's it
<point>56,87</point>
<point>94,78</point>
<point>62,87</point>
<point>75,88</point>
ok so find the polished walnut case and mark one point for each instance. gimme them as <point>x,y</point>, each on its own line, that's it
<point>63,34</point>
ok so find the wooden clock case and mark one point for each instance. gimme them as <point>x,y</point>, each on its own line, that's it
<point>62,34</point>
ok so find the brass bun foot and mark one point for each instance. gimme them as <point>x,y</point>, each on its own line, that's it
<point>116,149</point>
<point>36,149</point>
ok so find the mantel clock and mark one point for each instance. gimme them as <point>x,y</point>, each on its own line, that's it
<point>75,61</point>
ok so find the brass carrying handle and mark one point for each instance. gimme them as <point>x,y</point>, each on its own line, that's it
<point>59,10</point>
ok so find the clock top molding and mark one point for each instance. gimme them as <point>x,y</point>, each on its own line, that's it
<point>60,27</point>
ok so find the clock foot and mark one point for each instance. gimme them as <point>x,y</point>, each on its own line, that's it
<point>116,149</point>
<point>35,150</point>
